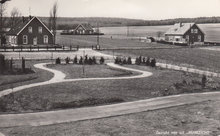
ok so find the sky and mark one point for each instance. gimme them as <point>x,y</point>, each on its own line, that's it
<point>134,9</point>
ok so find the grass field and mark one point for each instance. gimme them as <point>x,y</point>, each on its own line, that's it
<point>202,116</point>
<point>89,41</point>
<point>99,92</point>
<point>11,81</point>
<point>199,58</point>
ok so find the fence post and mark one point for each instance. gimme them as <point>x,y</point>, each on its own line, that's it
<point>70,47</point>
<point>13,48</point>
<point>21,48</point>
<point>63,47</point>
<point>38,48</point>
<point>30,48</point>
<point>5,48</point>
<point>55,47</point>
<point>47,48</point>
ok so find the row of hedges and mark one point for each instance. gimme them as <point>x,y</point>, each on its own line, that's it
<point>138,61</point>
<point>82,60</point>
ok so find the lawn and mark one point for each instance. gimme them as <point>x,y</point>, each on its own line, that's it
<point>100,92</point>
<point>90,71</point>
<point>199,58</point>
<point>14,80</point>
<point>104,42</point>
<point>202,116</point>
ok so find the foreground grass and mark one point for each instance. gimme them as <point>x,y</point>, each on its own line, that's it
<point>98,92</point>
<point>202,116</point>
<point>204,59</point>
<point>14,80</point>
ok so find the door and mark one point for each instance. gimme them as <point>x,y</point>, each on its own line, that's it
<point>35,41</point>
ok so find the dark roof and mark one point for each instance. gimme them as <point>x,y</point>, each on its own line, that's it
<point>19,27</point>
<point>85,26</point>
<point>15,30</point>
<point>180,28</point>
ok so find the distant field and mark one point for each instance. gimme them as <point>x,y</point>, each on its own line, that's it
<point>212,31</point>
<point>104,42</point>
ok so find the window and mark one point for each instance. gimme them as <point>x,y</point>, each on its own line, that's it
<point>25,39</point>
<point>192,30</point>
<point>40,29</point>
<point>30,29</point>
<point>199,38</point>
<point>45,39</point>
<point>195,31</point>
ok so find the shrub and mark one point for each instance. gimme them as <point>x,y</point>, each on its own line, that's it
<point>90,61</point>
<point>137,61</point>
<point>129,61</point>
<point>124,61</point>
<point>23,65</point>
<point>147,62</point>
<point>2,63</point>
<point>204,80</point>
<point>102,60</point>
<point>81,60</point>
<point>75,60</point>
<point>58,61</point>
<point>67,60</point>
<point>153,63</point>
<point>94,60</point>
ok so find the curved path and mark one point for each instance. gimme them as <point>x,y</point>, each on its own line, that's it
<point>59,77</point>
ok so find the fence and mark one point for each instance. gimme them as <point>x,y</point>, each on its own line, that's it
<point>37,48</point>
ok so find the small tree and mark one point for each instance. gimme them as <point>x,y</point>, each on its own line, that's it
<point>94,60</point>
<point>102,60</point>
<point>75,60</point>
<point>129,61</point>
<point>2,63</point>
<point>147,61</point>
<point>153,63</point>
<point>58,61</point>
<point>67,60</point>
<point>204,80</point>
<point>23,65</point>
<point>81,60</point>
<point>90,61</point>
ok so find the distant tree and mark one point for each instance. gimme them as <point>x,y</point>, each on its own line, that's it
<point>58,61</point>
<point>159,34</point>
<point>67,60</point>
<point>53,20</point>
<point>81,60</point>
<point>15,17</point>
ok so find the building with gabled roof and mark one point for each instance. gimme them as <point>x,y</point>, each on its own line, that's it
<point>185,33</point>
<point>80,29</point>
<point>31,31</point>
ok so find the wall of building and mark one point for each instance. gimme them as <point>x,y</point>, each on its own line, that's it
<point>40,36</point>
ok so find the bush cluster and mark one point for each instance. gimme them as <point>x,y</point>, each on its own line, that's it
<point>138,61</point>
<point>82,60</point>
<point>124,60</point>
<point>145,61</point>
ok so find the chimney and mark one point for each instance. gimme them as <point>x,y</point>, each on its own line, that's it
<point>181,24</point>
<point>30,17</point>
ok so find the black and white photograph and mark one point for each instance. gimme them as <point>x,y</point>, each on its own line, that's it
<point>109,67</point>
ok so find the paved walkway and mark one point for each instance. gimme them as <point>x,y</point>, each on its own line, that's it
<point>59,77</point>
<point>79,114</point>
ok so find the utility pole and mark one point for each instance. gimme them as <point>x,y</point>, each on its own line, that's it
<point>127,30</point>
<point>97,36</point>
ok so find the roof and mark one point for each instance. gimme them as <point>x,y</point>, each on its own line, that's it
<point>180,28</point>
<point>85,26</point>
<point>20,27</point>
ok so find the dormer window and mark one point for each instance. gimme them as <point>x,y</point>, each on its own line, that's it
<point>30,29</point>
<point>40,29</point>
